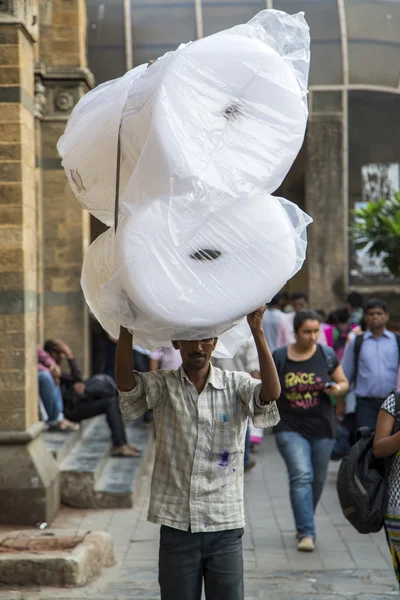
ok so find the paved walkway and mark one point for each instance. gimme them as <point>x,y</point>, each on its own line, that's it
<point>345,566</point>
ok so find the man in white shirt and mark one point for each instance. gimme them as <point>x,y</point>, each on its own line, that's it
<point>271,321</point>
<point>201,417</point>
<point>286,336</point>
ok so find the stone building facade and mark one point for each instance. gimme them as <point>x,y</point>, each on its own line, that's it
<point>43,235</point>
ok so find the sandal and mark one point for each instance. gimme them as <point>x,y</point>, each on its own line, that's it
<point>64,425</point>
<point>126,451</point>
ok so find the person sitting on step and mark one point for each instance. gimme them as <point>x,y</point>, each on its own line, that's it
<point>50,393</point>
<point>84,400</point>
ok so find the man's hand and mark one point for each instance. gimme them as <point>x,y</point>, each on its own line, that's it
<point>270,385</point>
<point>255,318</point>
<point>79,387</point>
<point>63,348</point>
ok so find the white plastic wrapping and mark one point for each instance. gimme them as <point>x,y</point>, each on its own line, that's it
<point>207,133</point>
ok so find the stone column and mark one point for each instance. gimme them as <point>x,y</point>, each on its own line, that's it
<point>66,228</point>
<point>29,476</point>
<point>324,199</point>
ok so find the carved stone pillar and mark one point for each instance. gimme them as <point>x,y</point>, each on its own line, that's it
<point>66,228</point>
<point>325,203</point>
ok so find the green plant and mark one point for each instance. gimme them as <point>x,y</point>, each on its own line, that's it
<point>377,230</point>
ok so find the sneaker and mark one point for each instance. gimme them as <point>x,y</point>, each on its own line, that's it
<point>306,544</point>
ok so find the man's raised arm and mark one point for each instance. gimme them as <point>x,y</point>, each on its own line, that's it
<point>270,385</point>
<point>124,376</point>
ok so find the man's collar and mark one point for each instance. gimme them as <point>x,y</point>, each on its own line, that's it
<point>214,377</point>
<point>369,334</point>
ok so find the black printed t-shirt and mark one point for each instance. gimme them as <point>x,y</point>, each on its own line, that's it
<point>303,405</point>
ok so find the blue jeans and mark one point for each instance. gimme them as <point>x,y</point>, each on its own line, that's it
<point>187,559</point>
<point>367,410</point>
<point>51,396</point>
<point>307,463</point>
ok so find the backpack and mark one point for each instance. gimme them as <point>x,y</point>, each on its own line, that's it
<point>362,481</point>
<point>357,349</point>
<point>280,357</point>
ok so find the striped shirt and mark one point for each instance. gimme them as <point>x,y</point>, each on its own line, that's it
<point>198,471</point>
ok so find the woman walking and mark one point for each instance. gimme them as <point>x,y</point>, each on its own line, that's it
<point>387,443</point>
<point>309,374</point>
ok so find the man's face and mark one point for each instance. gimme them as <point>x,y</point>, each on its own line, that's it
<point>376,318</point>
<point>282,304</point>
<point>299,304</point>
<point>195,354</point>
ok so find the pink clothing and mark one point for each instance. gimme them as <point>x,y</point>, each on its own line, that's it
<point>170,359</point>
<point>328,330</point>
<point>44,359</point>
<point>332,340</point>
<point>286,334</point>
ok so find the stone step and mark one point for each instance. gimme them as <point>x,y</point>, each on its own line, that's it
<point>91,478</point>
<point>117,480</point>
<point>61,443</point>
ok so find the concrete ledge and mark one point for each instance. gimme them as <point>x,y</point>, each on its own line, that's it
<point>51,558</point>
<point>29,481</point>
<point>22,437</point>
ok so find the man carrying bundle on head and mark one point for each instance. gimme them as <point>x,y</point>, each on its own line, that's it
<point>200,415</point>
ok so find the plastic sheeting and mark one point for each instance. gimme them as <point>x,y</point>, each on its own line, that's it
<point>207,134</point>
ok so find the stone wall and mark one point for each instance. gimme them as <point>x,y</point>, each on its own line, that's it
<point>43,235</point>
<point>18,383</point>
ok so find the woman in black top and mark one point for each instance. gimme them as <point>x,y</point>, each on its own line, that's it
<point>309,375</point>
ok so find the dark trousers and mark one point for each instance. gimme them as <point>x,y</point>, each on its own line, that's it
<point>367,410</point>
<point>186,558</point>
<point>83,407</point>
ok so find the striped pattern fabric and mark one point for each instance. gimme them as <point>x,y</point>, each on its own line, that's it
<point>198,469</point>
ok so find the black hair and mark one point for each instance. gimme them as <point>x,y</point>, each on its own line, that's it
<point>299,296</point>
<point>342,314</point>
<point>321,313</point>
<point>355,300</point>
<point>332,318</point>
<point>376,303</point>
<point>50,346</point>
<point>276,299</point>
<point>304,315</point>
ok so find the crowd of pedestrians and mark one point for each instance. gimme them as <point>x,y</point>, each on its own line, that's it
<point>336,376</point>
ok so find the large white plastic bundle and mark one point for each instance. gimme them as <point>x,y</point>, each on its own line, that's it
<point>207,134</point>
